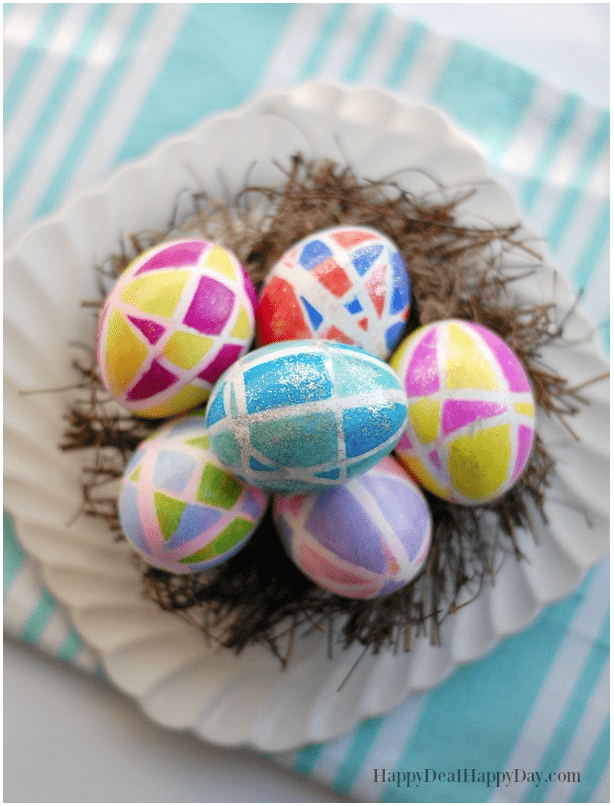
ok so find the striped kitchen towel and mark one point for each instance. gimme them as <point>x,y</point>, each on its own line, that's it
<point>90,86</point>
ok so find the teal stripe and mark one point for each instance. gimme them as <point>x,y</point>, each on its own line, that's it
<point>364,737</point>
<point>31,58</point>
<point>322,44</point>
<point>486,95</point>
<point>108,87</point>
<point>593,250</point>
<point>7,8</point>
<point>307,758</point>
<point>605,334</point>
<point>53,104</point>
<point>215,63</point>
<point>14,555</point>
<point>490,701</point>
<point>370,37</point>
<point>406,55</point>
<point>574,709</point>
<point>37,622</point>
<point>595,148</point>
<point>556,137</point>
<point>71,647</point>
<point>591,774</point>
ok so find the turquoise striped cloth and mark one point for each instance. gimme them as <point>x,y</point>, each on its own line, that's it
<point>90,86</point>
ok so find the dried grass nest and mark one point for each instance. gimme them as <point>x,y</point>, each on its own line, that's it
<point>259,596</point>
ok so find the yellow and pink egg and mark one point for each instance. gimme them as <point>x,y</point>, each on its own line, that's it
<point>178,316</point>
<point>471,422</point>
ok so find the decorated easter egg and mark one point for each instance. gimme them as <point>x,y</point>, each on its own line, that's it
<point>346,284</point>
<point>362,539</point>
<point>178,507</point>
<point>471,416</point>
<point>177,317</point>
<point>305,415</point>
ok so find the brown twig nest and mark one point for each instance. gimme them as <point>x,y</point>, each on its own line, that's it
<point>259,595</point>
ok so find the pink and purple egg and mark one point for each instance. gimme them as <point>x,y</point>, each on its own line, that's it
<point>363,539</point>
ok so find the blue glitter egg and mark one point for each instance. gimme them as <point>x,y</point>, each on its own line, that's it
<point>301,416</point>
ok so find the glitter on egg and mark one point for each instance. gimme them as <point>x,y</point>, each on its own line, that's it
<point>304,415</point>
<point>471,412</point>
<point>177,317</point>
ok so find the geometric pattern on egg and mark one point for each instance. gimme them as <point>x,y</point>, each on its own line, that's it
<point>305,415</point>
<point>364,539</point>
<point>177,317</point>
<point>347,284</point>
<point>471,411</point>
<point>179,508</point>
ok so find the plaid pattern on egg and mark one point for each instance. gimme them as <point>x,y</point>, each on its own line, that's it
<point>179,508</point>
<point>346,284</point>
<point>362,539</point>
<point>178,316</point>
<point>471,418</point>
<point>305,415</point>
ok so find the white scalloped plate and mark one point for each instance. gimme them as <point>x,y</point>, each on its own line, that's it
<point>154,656</point>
